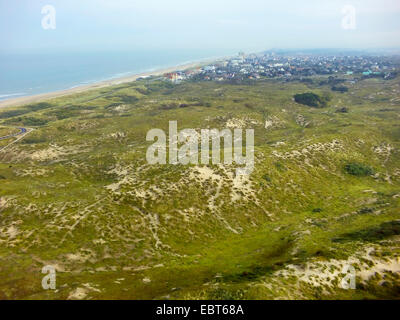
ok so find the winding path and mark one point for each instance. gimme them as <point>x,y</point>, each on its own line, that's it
<point>22,131</point>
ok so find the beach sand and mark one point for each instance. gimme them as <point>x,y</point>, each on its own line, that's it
<point>47,96</point>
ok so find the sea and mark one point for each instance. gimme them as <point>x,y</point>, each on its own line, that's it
<point>26,74</point>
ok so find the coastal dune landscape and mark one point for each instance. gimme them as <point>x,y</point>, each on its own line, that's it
<point>266,168</point>
<point>96,85</point>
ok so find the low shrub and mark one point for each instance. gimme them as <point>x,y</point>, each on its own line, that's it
<point>358,169</point>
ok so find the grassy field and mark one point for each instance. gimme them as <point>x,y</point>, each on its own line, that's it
<point>77,193</point>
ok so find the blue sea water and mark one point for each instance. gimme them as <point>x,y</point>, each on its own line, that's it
<point>34,73</point>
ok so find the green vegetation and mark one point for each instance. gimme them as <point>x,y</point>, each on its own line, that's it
<point>342,110</point>
<point>381,232</point>
<point>341,89</point>
<point>311,99</point>
<point>30,108</point>
<point>79,194</point>
<point>27,121</point>
<point>358,169</point>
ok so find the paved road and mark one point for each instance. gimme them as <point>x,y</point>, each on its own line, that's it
<point>21,131</point>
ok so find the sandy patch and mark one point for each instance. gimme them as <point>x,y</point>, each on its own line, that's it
<point>327,273</point>
<point>78,294</point>
<point>5,202</point>
<point>333,146</point>
<point>301,121</point>
<point>32,172</point>
<point>384,150</point>
<point>54,152</point>
<point>117,135</point>
<point>273,122</point>
<point>244,123</point>
<point>11,232</point>
<point>82,293</point>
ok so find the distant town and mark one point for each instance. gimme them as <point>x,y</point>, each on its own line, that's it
<point>290,67</point>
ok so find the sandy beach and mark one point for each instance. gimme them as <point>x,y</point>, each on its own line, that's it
<point>50,95</point>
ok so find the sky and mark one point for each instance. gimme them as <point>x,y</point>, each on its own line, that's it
<point>238,25</point>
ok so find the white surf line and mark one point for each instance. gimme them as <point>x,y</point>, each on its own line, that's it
<point>28,130</point>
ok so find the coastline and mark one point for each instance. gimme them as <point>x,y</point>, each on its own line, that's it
<point>20,101</point>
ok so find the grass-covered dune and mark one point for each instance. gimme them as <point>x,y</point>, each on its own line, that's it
<point>78,194</point>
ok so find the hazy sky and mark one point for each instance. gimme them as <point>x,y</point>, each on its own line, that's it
<point>248,25</point>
